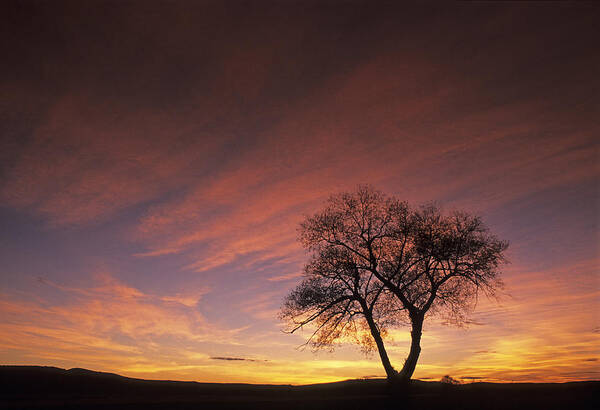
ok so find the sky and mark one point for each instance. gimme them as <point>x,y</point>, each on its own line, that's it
<point>156,159</point>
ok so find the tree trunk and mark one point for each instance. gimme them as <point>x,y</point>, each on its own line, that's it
<point>415,348</point>
<point>391,373</point>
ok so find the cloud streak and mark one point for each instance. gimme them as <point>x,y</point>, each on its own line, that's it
<point>236,359</point>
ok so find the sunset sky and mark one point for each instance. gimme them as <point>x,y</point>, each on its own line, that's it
<point>157,157</point>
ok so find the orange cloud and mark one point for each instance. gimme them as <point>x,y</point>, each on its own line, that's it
<point>109,324</point>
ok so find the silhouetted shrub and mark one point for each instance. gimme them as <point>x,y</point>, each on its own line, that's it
<point>449,380</point>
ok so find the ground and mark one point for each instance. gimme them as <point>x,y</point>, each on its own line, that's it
<point>34,387</point>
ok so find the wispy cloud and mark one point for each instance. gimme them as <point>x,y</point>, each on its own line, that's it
<point>108,324</point>
<point>236,359</point>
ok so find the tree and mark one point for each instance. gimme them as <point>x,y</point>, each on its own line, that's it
<point>377,261</point>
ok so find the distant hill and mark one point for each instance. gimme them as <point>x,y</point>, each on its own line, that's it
<point>35,387</point>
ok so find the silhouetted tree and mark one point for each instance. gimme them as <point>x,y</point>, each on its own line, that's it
<point>376,259</point>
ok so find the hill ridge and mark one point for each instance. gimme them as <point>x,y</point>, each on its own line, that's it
<point>49,387</point>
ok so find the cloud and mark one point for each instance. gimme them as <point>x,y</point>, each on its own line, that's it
<point>91,159</point>
<point>351,135</point>
<point>110,324</point>
<point>287,276</point>
<point>236,359</point>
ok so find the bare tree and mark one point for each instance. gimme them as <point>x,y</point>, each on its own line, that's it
<point>407,263</point>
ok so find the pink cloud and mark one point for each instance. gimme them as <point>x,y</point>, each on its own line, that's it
<point>89,160</point>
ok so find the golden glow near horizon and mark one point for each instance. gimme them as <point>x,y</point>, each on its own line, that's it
<point>149,203</point>
<point>117,328</point>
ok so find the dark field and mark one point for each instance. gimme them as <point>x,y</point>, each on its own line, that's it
<point>32,387</point>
